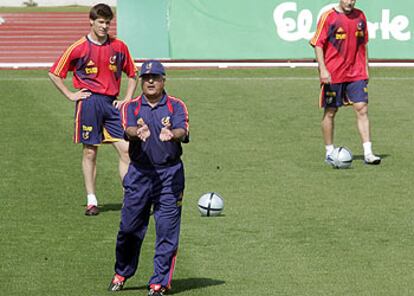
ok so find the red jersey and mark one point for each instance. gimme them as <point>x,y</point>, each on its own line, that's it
<point>97,68</point>
<point>343,38</point>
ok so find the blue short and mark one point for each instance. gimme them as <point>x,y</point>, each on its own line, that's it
<point>340,94</point>
<point>97,121</point>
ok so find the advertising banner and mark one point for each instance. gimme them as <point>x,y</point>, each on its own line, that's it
<point>143,26</point>
<point>270,29</point>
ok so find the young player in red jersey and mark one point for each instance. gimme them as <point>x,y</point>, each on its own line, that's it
<point>97,61</point>
<point>340,44</point>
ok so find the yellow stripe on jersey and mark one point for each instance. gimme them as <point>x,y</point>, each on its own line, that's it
<point>320,26</point>
<point>63,59</point>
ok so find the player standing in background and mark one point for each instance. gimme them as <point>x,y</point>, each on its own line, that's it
<point>340,44</point>
<point>156,124</point>
<point>97,61</point>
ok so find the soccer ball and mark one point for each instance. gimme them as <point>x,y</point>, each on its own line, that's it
<point>210,204</point>
<point>341,158</point>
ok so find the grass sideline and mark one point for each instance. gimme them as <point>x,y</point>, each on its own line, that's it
<point>291,225</point>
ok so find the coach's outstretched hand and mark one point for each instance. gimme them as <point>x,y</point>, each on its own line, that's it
<point>143,132</point>
<point>166,134</point>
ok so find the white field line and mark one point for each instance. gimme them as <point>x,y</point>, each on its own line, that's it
<point>44,31</point>
<point>4,48</point>
<point>8,53</point>
<point>44,20</point>
<point>276,78</point>
<point>220,65</point>
<point>42,37</point>
<point>38,43</point>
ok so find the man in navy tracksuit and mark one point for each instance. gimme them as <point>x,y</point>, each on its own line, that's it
<point>155,125</point>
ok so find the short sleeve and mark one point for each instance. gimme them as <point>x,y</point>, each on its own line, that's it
<point>130,113</point>
<point>321,34</point>
<point>63,64</point>
<point>180,115</point>
<point>366,28</point>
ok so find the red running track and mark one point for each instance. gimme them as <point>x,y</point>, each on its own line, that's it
<point>41,37</point>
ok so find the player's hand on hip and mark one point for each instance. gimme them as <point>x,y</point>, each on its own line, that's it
<point>143,132</point>
<point>80,95</point>
<point>166,134</point>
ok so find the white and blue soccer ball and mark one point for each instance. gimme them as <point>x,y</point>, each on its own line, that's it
<point>210,204</point>
<point>341,158</point>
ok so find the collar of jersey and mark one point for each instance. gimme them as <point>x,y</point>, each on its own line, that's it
<point>163,100</point>
<point>95,42</point>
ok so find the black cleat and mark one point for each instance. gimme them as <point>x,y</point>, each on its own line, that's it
<point>117,283</point>
<point>91,210</point>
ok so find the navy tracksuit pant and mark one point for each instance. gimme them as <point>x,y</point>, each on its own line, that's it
<point>161,188</point>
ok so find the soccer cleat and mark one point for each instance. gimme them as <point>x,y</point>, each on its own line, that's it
<point>117,283</point>
<point>156,290</point>
<point>91,210</point>
<point>372,159</point>
<point>329,160</point>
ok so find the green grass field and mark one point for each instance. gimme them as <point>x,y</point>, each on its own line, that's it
<point>291,226</point>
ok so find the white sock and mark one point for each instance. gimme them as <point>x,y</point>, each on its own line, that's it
<point>329,149</point>
<point>92,199</point>
<point>367,148</point>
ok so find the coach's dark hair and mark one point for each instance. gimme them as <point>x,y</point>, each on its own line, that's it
<point>101,11</point>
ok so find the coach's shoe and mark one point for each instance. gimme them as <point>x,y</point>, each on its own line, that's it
<point>156,290</point>
<point>117,283</point>
<point>372,159</point>
<point>91,210</point>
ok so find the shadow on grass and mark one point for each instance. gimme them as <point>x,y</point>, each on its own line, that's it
<point>361,157</point>
<point>110,207</point>
<point>181,285</point>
